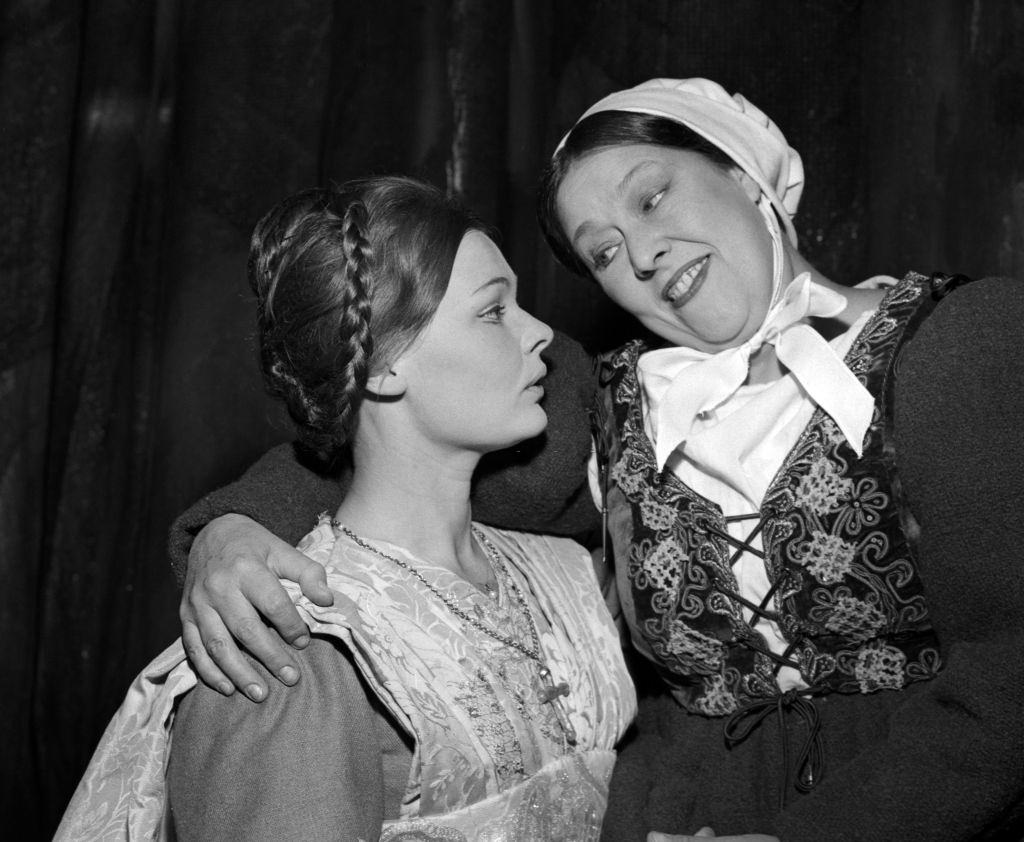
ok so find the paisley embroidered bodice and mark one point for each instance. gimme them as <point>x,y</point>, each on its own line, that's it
<point>838,545</point>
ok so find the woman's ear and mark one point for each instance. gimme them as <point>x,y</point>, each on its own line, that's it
<point>389,385</point>
<point>750,187</point>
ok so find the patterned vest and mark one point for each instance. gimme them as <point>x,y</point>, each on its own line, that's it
<point>838,542</point>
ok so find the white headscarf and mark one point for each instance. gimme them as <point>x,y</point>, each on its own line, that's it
<point>733,124</point>
<point>704,381</point>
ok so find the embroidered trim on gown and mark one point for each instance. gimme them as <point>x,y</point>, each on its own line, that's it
<point>491,761</point>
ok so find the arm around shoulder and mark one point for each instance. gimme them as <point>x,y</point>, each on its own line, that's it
<point>279,491</point>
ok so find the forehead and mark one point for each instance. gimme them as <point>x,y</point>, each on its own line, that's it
<point>608,174</point>
<point>477,262</point>
<point>608,167</point>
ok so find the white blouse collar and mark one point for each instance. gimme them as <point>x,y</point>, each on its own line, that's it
<point>683,385</point>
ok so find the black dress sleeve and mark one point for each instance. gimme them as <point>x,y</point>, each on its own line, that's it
<point>282,491</point>
<point>950,764</point>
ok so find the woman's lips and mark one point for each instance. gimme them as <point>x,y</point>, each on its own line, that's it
<point>535,386</point>
<point>686,281</point>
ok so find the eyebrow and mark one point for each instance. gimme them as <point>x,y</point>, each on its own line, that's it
<point>585,227</point>
<point>501,279</point>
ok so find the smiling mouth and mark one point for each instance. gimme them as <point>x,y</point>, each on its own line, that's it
<point>685,283</point>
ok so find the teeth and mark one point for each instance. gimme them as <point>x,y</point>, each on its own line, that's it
<point>685,282</point>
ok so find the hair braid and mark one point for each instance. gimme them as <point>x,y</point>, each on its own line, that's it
<point>345,278</point>
<point>307,289</point>
<point>354,328</point>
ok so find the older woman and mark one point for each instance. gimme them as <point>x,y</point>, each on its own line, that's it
<point>465,683</point>
<point>812,492</point>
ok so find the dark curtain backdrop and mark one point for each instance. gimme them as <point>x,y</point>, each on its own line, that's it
<point>140,142</point>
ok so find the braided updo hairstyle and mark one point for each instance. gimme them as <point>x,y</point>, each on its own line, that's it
<point>345,279</point>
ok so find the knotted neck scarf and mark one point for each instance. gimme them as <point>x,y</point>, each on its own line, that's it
<point>684,385</point>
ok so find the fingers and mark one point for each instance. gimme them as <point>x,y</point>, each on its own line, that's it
<point>288,563</point>
<point>245,625</point>
<point>266,594</point>
<point>219,646</point>
<point>231,587</point>
<point>202,663</point>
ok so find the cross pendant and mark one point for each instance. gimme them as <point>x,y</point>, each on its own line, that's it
<point>549,692</point>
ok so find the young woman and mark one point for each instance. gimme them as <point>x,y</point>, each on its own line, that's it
<point>464,682</point>
<point>813,494</point>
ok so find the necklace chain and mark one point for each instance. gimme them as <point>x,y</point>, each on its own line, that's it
<point>533,652</point>
<point>550,691</point>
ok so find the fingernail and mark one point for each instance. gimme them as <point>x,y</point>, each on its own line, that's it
<point>289,675</point>
<point>254,692</point>
<point>301,642</point>
<point>226,687</point>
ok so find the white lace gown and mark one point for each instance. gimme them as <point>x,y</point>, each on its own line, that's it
<point>491,759</point>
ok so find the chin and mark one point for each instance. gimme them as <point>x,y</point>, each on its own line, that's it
<point>530,426</point>
<point>540,421</point>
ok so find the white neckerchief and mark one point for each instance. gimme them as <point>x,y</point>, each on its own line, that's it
<point>684,385</point>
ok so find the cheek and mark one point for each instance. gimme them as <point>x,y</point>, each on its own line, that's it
<point>619,290</point>
<point>758,246</point>
<point>485,366</point>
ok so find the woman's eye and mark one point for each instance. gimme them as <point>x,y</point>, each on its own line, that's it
<point>604,256</point>
<point>495,313</point>
<point>651,202</point>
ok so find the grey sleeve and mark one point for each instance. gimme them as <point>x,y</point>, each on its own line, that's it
<point>304,764</point>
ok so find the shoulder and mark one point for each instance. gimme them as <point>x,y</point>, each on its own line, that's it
<point>969,305</point>
<point>319,543</point>
<point>975,327</point>
<point>330,693</point>
<point>548,558</point>
<point>532,542</point>
<point>303,763</point>
<point>959,396</point>
<point>348,565</point>
<point>959,400</point>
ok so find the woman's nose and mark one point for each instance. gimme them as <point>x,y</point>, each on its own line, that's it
<point>537,335</point>
<point>646,254</point>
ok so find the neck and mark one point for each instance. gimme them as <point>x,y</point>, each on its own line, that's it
<point>858,301</point>
<point>764,363</point>
<point>416,498</point>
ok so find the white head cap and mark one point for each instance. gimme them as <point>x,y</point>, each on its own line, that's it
<point>732,123</point>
